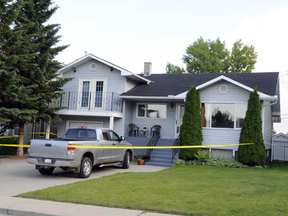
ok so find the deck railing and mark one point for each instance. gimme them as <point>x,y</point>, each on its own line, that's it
<point>89,101</point>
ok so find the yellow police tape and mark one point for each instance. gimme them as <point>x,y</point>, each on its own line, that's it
<point>2,137</point>
<point>138,147</point>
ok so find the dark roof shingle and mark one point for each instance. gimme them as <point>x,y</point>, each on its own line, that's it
<point>174,84</point>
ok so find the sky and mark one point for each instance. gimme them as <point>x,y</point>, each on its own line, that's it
<point>129,33</point>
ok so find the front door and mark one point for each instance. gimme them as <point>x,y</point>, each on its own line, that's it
<point>179,118</point>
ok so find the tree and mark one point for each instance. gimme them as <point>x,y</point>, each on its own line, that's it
<point>213,57</point>
<point>251,132</point>
<point>174,69</point>
<point>243,58</point>
<point>32,67</point>
<point>191,128</point>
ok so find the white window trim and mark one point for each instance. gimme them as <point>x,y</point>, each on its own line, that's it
<point>235,110</point>
<point>146,110</point>
<point>92,86</point>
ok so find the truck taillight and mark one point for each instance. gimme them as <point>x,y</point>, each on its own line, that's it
<point>71,148</point>
<point>29,143</point>
<point>82,127</point>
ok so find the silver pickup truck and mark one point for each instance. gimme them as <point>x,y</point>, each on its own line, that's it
<point>48,154</point>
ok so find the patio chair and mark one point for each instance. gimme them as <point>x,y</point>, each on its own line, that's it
<point>133,130</point>
<point>154,129</point>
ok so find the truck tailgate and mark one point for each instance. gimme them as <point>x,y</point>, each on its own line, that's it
<point>49,149</point>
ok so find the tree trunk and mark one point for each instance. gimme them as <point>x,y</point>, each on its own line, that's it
<point>21,140</point>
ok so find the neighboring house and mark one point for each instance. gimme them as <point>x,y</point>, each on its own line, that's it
<point>105,95</point>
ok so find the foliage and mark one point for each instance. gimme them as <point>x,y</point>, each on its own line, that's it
<point>140,155</point>
<point>28,78</point>
<point>182,190</point>
<point>174,69</point>
<point>243,58</point>
<point>191,128</point>
<point>251,132</point>
<point>8,150</point>
<point>213,57</point>
<point>202,155</point>
<point>216,162</point>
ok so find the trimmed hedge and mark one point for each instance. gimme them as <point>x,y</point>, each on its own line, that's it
<point>251,132</point>
<point>191,128</point>
<point>8,150</point>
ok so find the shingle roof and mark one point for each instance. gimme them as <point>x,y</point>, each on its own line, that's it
<point>174,84</point>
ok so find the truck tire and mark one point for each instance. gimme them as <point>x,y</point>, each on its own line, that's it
<point>85,168</point>
<point>126,161</point>
<point>44,171</point>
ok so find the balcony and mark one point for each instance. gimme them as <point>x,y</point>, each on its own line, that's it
<point>89,101</point>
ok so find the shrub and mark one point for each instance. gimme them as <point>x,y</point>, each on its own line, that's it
<point>8,150</point>
<point>191,128</point>
<point>251,132</point>
<point>202,155</point>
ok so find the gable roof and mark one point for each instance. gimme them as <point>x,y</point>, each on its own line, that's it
<point>89,57</point>
<point>165,85</point>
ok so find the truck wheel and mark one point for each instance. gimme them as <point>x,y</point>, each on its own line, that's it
<point>44,171</point>
<point>85,168</point>
<point>126,161</point>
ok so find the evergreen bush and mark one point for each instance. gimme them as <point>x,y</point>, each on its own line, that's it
<point>191,128</point>
<point>251,132</point>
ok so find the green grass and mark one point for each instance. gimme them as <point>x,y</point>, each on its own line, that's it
<point>187,190</point>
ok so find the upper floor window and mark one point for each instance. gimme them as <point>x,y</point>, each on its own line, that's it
<point>147,110</point>
<point>223,115</point>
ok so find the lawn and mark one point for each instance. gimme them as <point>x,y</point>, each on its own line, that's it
<point>187,190</point>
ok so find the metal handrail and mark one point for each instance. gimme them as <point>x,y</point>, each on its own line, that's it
<point>153,141</point>
<point>90,101</point>
<point>175,150</point>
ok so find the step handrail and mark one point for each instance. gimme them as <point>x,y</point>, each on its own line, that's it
<point>175,150</point>
<point>153,141</point>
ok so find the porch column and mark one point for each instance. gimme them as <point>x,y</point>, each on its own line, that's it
<point>111,122</point>
<point>47,130</point>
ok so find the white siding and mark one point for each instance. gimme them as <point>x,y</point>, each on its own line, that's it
<point>118,126</point>
<point>234,94</point>
<point>216,136</point>
<point>268,124</point>
<point>115,82</point>
<point>130,84</point>
<point>167,125</point>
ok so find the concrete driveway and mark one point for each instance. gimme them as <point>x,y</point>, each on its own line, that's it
<point>16,176</point>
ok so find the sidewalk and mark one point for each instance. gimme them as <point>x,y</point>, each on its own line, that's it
<point>30,207</point>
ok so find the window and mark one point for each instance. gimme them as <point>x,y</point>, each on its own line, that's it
<point>87,134</point>
<point>85,93</point>
<point>114,136</point>
<point>152,111</point>
<point>223,115</point>
<point>99,93</point>
<point>240,115</point>
<point>105,135</point>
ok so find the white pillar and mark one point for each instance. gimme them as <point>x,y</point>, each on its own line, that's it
<point>111,122</point>
<point>47,131</point>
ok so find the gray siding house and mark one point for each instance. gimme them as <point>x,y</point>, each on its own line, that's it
<point>103,94</point>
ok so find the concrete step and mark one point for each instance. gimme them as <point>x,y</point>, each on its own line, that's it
<point>158,164</point>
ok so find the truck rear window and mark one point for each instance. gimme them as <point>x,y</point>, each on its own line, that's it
<point>77,133</point>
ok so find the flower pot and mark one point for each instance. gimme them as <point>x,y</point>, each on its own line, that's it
<point>140,161</point>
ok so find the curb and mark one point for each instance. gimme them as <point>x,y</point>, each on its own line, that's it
<point>12,212</point>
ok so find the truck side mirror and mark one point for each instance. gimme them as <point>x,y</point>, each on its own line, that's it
<point>122,138</point>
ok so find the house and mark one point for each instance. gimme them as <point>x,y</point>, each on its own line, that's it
<point>103,94</point>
